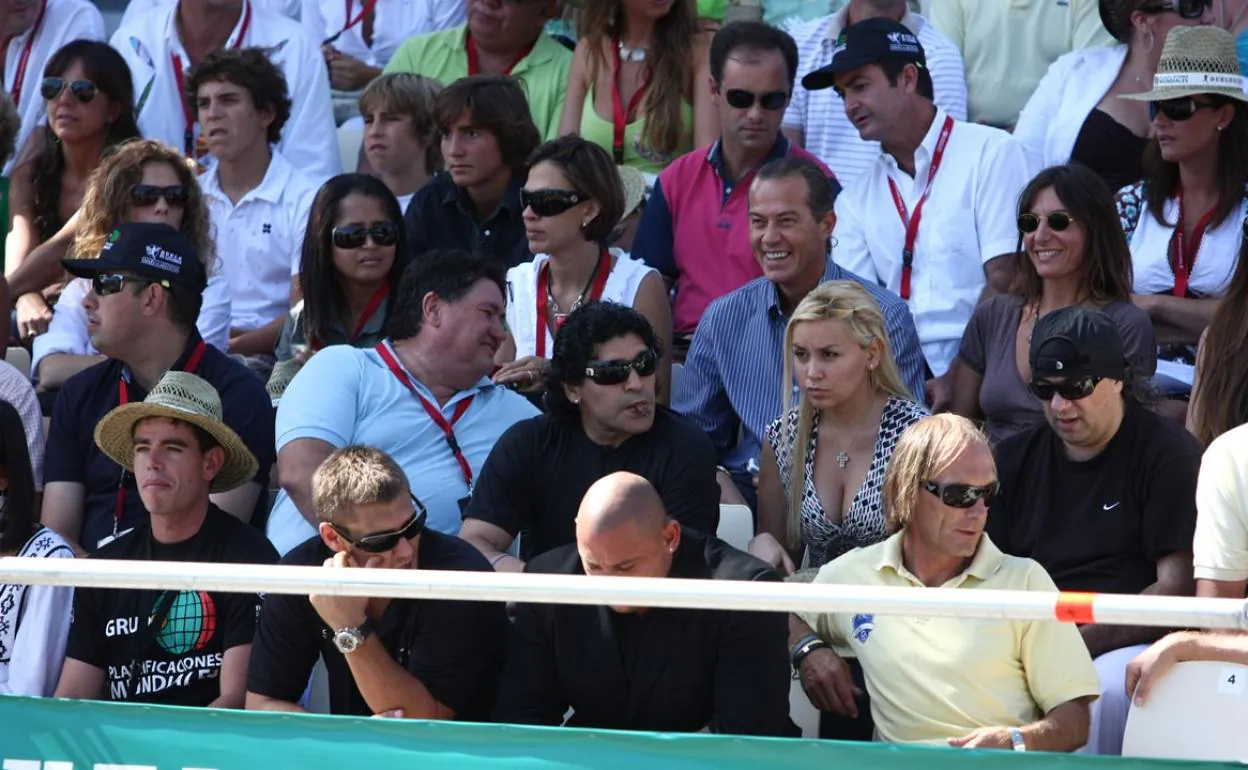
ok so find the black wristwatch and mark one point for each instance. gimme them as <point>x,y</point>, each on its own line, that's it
<point>348,640</point>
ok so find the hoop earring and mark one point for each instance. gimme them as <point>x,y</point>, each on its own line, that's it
<point>1150,41</point>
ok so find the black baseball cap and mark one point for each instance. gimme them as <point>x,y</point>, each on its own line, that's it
<point>155,251</point>
<point>867,42</point>
<point>1077,342</point>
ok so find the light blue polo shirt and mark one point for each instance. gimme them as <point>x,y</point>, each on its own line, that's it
<point>347,395</point>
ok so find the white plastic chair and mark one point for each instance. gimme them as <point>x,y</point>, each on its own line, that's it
<point>19,358</point>
<point>1196,711</point>
<point>736,526</point>
<point>350,140</point>
<point>802,711</point>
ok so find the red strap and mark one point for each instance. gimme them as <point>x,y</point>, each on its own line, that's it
<point>24,59</point>
<point>619,115</point>
<point>365,11</point>
<point>474,58</point>
<point>448,428</point>
<point>543,282</point>
<point>1182,252</point>
<point>911,222</point>
<point>179,77</point>
<point>370,309</point>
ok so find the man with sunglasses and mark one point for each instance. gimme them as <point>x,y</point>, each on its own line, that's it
<point>1103,495</point>
<point>1005,684</point>
<point>933,218</point>
<point>695,228</point>
<point>412,658</point>
<point>30,32</point>
<point>146,292</point>
<point>602,417</point>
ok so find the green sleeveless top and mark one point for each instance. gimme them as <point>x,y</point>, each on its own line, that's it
<point>637,153</point>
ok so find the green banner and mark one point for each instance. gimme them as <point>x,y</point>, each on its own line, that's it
<point>80,735</point>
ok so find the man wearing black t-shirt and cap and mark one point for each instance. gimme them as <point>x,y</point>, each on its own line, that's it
<point>638,668</point>
<point>146,291</point>
<point>603,418</point>
<point>184,648</point>
<point>413,658</point>
<point>1103,495</point>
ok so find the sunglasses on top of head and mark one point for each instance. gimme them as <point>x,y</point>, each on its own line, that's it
<point>353,236</point>
<point>1178,110</point>
<point>550,203</point>
<point>148,194</point>
<point>1188,9</point>
<point>1070,390</point>
<point>104,284</point>
<point>380,542</point>
<point>1056,220</point>
<point>83,90</point>
<point>616,372</point>
<point>740,99</point>
<point>962,495</point>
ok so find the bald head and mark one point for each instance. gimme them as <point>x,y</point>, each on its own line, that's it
<point>622,529</point>
<point>619,499</point>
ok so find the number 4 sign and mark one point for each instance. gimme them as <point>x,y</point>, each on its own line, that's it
<point>1231,680</point>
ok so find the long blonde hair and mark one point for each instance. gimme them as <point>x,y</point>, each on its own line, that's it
<point>849,303</point>
<point>107,204</point>
<point>924,451</point>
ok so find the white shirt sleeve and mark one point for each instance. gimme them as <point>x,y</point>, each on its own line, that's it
<point>86,23</point>
<point>309,138</point>
<point>313,21</point>
<point>1002,177</point>
<point>39,648</point>
<point>214,314</point>
<point>1032,129</point>
<point>67,331</point>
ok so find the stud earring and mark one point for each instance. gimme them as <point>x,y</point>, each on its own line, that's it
<point>1221,128</point>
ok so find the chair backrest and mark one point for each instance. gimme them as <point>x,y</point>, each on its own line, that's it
<point>802,711</point>
<point>1196,711</point>
<point>19,358</point>
<point>736,526</point>
<point>350,140</point>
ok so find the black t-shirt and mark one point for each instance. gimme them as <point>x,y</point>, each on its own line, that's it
<point>1099,525</point>
<point>540,469</point>
<point>455,648</point>
<point>178,662</point>
<point>87,396</point>
<point>440,216</point>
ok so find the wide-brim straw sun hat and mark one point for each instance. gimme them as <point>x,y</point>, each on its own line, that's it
<point>634,188</point>
<point>1196,60</point>
<point>179,396</point>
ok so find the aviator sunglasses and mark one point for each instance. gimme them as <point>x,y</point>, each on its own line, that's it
<point>1178,110</point>
<point>771,101</point>
<point>381,542</point>
<point>1070,390</point>
<point>353,236</point>
<point>962,495</point>
<point>616,372</point>
<point>148,194</point>
<point>550,203</point>
<point>1056,220</point>
<point>83,90</point>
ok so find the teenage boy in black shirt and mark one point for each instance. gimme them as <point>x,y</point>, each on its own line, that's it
<point>1103,495</point>
<point>600,393</point>
<point>419,659</point>
<point>185,648</point>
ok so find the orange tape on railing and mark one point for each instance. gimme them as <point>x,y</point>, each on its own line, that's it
<point>1075,607</point>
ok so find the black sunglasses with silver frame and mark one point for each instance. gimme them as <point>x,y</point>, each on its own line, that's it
<point>380,542</point>
<point>957,495</point>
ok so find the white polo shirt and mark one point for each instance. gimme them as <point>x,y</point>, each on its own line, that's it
<point>137,8</point>
<point>969,218</point>
<point>260,240</point>
<point>820,115</point>
<point>395,22</point>
<point>63,21</point>
<point>150,42</point>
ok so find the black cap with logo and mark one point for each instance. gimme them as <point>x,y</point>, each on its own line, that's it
<point>154,251</point>
<point>867,42</point>
<point>1077,342</point>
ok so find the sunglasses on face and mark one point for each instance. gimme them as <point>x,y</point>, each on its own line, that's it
<point>148,194</point>
<point>1188,9</point>
<point>962,495</point>
<point>104,284</point>
<point>616,372</point>
<point>1070,390</point>
<point>550,203</point>
<point>381,542</point>
<point>83,90</point>
<point>353,236</point>
<point>1057,222</point>
<point>1177,110</point>
<point>743,100</point>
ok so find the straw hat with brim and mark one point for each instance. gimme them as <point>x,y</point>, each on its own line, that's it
<point>179,396</point>
<point>634,188</point>
<point>1196,60</point>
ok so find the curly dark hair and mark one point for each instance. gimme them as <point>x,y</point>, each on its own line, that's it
<point>576,344</point>
<point>446,273</point>
<point>251,69</point>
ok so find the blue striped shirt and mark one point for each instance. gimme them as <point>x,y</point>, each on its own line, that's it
<point>732,377</point>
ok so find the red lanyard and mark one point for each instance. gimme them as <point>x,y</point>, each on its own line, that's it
<point>365,11</point>
<point>179,77</point>
<point>474,59</point>
<point>1182,253</point>
<point>911,222</point>
<point>370,310</point>
<point>123,398</point>
<point>619,115</point>
<point>448,428</point>
<point>24,59</point>
<point>543,282</point>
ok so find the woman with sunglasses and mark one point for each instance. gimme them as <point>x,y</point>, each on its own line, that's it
<point>637,85</point>
<point>90,109</point>
<point>572,201</point>
<point>1075,115</point>
<point>354,250</point>
<point>1183,221</point>
<point>825,502</point>
<point>1075,255</point>
<point>1220,388</point>
<point>34,620</point>
<point>141,181</point>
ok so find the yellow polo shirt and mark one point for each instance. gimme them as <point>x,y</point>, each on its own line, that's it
<point>931,679</point>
